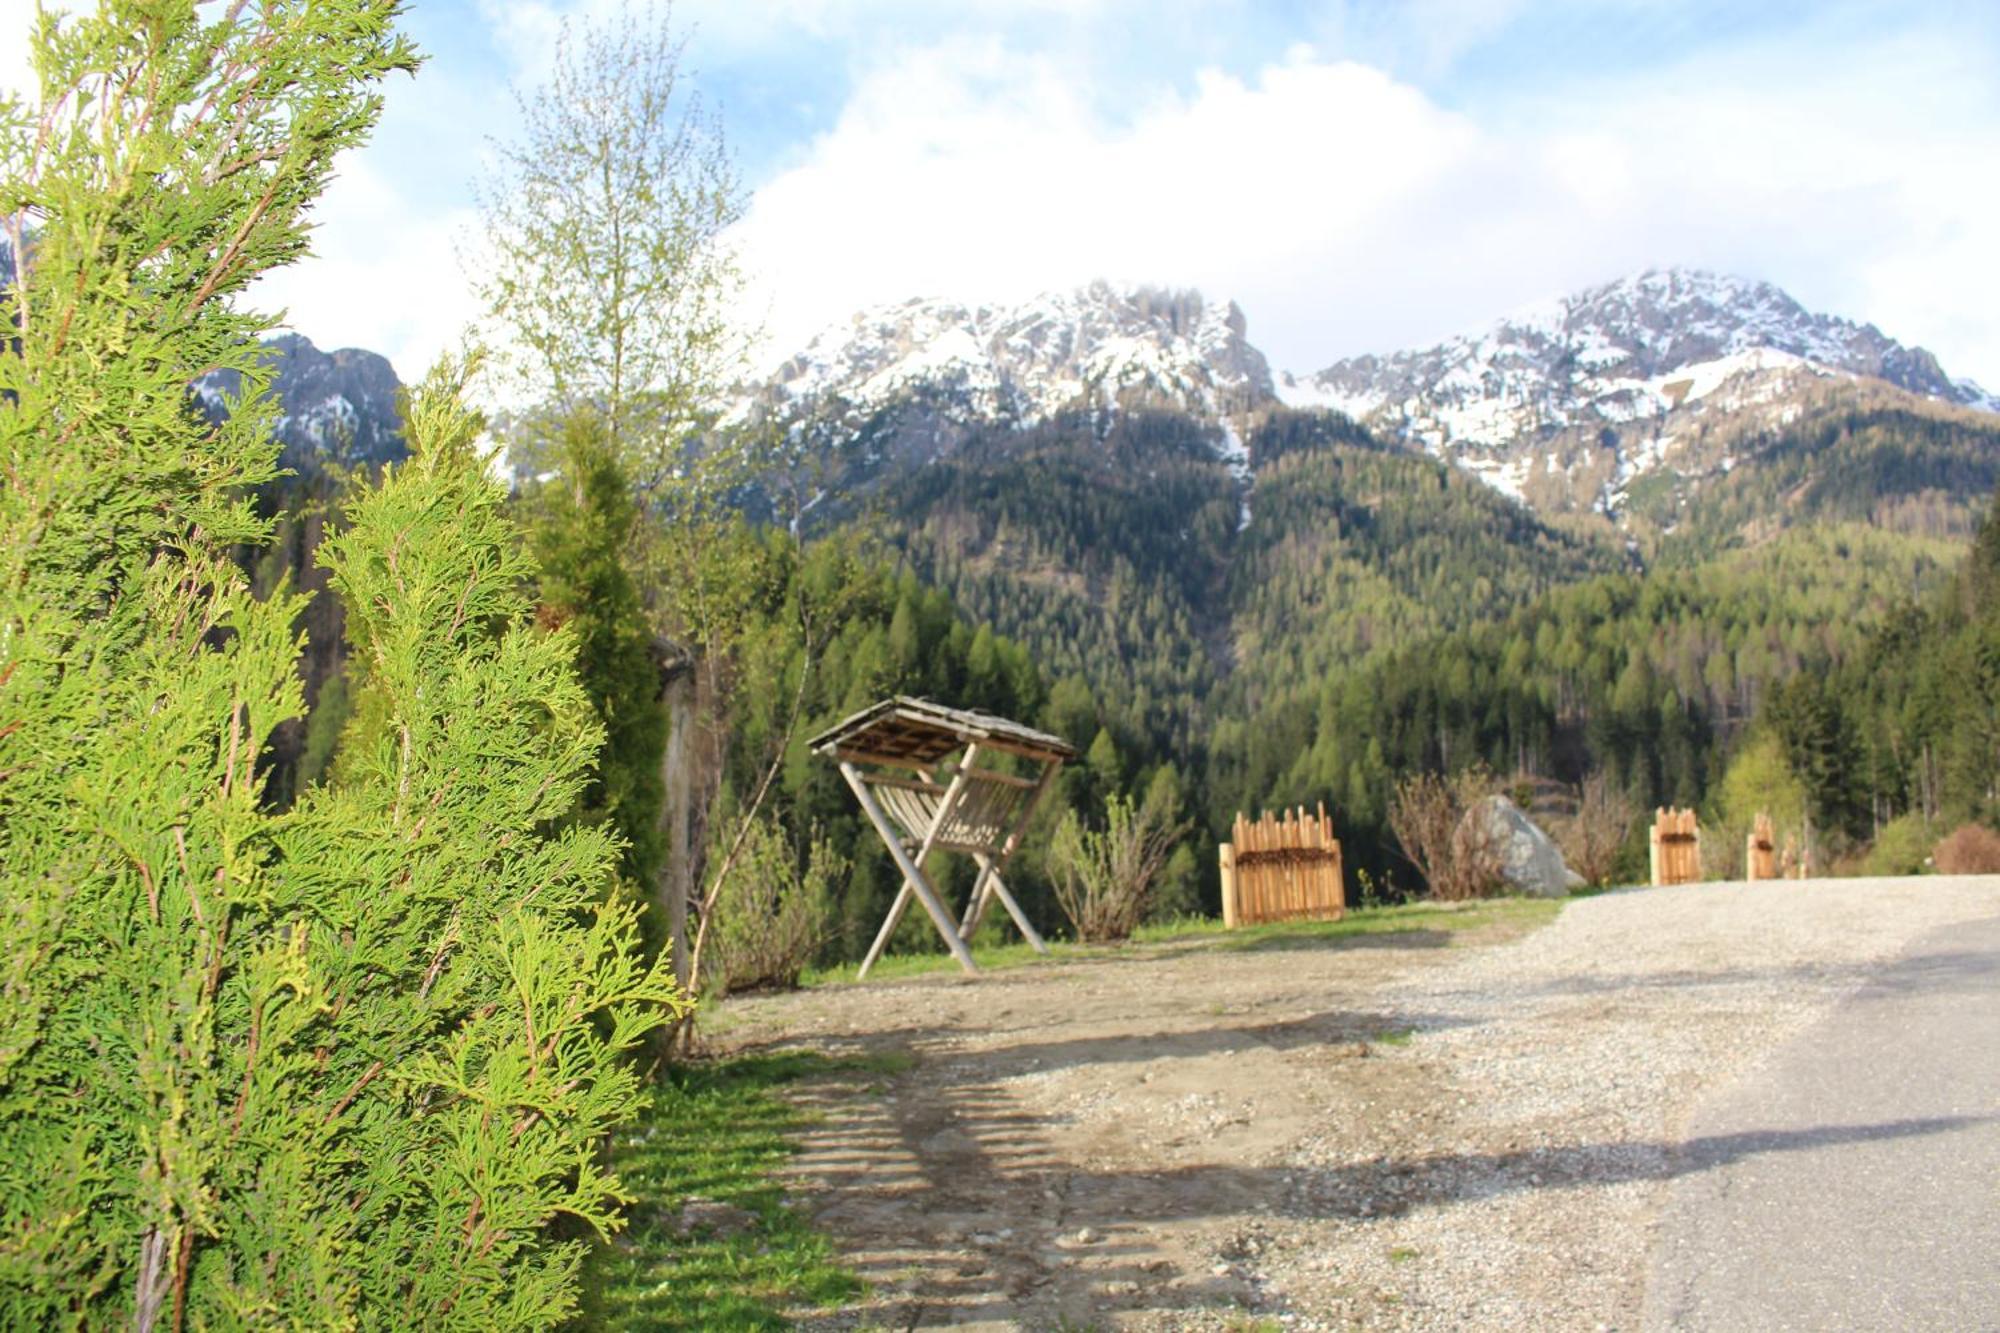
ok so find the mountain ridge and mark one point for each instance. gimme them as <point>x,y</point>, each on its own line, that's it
<point>1564,405</point>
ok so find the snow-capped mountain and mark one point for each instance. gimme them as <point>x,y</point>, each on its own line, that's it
<point>907,383</point>
<point>1569,402</point>
<point>337,405</point>
<point>1564,405</point>
<point>1096,346</point>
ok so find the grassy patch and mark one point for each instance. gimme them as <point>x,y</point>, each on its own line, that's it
<point>718,1132</point>
<point>1438,921</point>
<point>1393,1037</point>
<point>1244,1323</point>
<point>1403,918</point>
<point>989,957</point>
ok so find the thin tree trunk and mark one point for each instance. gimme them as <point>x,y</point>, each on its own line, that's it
<point>153,1280</point>
<point>675,886</point>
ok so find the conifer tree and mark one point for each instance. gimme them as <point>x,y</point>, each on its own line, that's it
<point>341,1065</point>
<point>579,533</point>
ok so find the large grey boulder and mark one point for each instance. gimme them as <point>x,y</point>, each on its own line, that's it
<point>1530,861</point>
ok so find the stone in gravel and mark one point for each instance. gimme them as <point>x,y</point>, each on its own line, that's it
<point>1530,861</point>
<point>1086,1237</point>
<point>712,1216</point>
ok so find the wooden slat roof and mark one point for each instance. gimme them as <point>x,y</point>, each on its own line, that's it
<point>919,731</point>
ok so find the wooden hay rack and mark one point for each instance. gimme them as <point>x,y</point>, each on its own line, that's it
<point>1676,847</point>
<point>898,757</point>
<point>1760,851</point>
<point>1282,868</point>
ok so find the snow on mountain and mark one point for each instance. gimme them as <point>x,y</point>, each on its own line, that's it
<point>1097,347</point>
<point>1615,367</point>
<point>1564,404</point>
<point>333,405</point>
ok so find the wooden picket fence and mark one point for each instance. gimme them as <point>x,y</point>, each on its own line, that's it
<point>1676,847</point>
<point>1282,868</point>
<point>1760,853</point>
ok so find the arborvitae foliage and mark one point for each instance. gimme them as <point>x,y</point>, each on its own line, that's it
<point>336,1066</point>
<point>497,996</point>
<point>579,533</point>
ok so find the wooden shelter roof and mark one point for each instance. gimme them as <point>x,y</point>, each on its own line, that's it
<point>912,732</point>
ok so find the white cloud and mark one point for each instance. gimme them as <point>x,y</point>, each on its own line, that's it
<point>384,275</point>
<point>1348,211</point>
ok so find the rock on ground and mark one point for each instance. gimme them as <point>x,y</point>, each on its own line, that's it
<point>1530,861</point>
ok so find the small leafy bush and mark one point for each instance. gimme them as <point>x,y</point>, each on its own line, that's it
<point>1104,878</point>
<point>1592,838</point>
<point>1970,849</point>
<point>1458,857</point>
<point>1903,847</point>
<point>772,915</point>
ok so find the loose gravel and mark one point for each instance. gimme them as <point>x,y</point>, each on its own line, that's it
<point>1573,1059</point>
<point>1389,1135</point>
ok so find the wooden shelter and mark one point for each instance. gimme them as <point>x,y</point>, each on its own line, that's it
<point>1282,868</point>
<point>950,804</point>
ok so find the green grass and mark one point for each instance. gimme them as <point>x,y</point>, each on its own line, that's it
<point>1150,941</point>
<point>1244,1323</point>
<point>717,1130</point>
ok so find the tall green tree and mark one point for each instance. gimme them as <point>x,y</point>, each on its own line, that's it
<point>579,532</point>
<point>605,274</point>
<point>341,1065</point>
<point>608,286</point>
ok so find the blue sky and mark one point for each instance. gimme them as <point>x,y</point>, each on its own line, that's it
<point>1359,176</point>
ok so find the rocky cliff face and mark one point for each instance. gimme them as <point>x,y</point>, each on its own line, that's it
<point>1568,404</point>
<point>335,406</point>
<point>908,384</point>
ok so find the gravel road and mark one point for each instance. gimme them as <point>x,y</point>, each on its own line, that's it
<point>1195,1140</point>
<point>1850,1182</point>
<point>1579,1056</point>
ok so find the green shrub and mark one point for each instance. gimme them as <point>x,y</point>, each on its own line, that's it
<point>1104,877</point>
<point>773,912</point>
<point>1902,847</point>
<point>342,1065</point>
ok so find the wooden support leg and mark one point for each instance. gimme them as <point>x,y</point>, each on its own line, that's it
<point>989,887</point>
<point>889,924</point>
<point>913,875</point>
<point>975,907</point>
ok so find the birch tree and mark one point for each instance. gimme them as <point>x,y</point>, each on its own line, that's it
<point>608,287</point>
<point>604,270</point>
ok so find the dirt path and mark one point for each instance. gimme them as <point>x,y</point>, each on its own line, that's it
<point>1203,1138</point>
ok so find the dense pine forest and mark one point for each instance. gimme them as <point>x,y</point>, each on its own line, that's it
<point>1379,614</point>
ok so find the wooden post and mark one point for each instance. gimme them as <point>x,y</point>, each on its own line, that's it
<point>996,887</point>
<point>1228,853</point>
<point>913,875</point>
